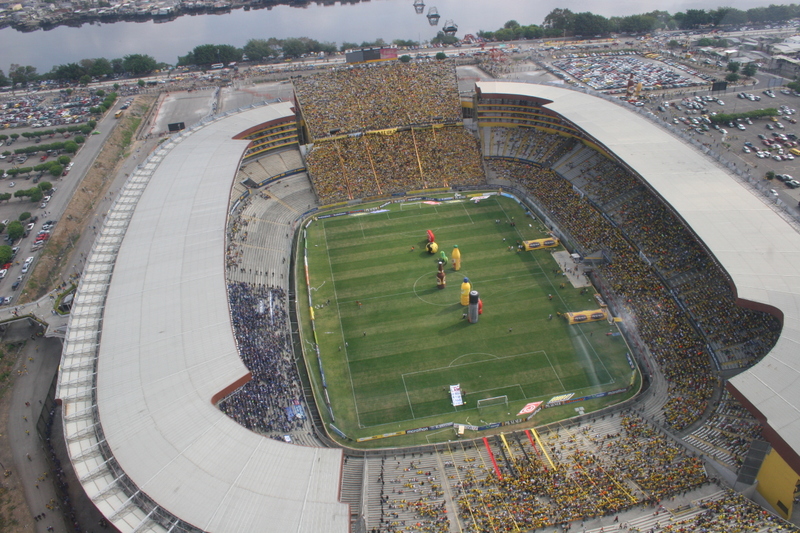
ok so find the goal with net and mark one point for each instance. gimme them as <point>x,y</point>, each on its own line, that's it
<point>491,402</point>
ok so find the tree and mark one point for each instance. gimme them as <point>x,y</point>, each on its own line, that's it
<point>5,254</point>
<point>56,170</point>
<point>36,195</point>
<point>770,175</point>
<point>63,160</point>
<point>3,79</point>
<point>732,77</point>
<point>2,227</point>
<point>116,86</point>
<point>100,92</point>
<point>733,66</point>
<point>293,47</point>
<point>511,25</point>
<point>441,55</point>
<point>589,24</point>
<point>140,83</point>
<point>85,80</point>
<point>208,54</point>
<point>673,44</point>
<point>727,16</point>
<point>405,43</point>
<point>68,72</point>
<point>138,64</point>
<point>4,197</point>
<point>405,58</point>
<point>15,230</point>
<point>21,75</point>
<point>258,49</point>
<point>70,147</point>
<point>441,38</point>
<point>116,66</point>
<point>348,46</point>
<point>750,70</point>
<point>693,18</point>
<point>45,185</point>
<point>101,67</point>
<point>24,216</point>
<point>560,19</point>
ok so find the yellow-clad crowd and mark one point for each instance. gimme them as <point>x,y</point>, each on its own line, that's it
<point>378,96</point>
<point>372,165</point>
<point>594,475</point>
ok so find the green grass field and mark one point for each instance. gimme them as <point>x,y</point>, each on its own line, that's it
<point>391,342</point>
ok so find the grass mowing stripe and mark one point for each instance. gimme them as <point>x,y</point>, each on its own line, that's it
<point>355,403</point>
<point>417,342</point>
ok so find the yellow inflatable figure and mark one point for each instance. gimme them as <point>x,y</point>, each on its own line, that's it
<point>465,288</point>
<point>432,247</point>
<point>456,257</point>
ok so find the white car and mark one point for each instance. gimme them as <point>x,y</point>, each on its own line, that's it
<point>746,150</point>
<point>741,127</point>
<point>30,226</point>
<point>11,184</point>
<point>25,268</point>
<point>3,273</point>
<point>44,204</point>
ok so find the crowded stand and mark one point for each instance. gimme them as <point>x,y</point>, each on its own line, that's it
<point>727,433</point>
<point>597,469</point>
<point>666,331</point>
<point>408,496</point>
<point>737,336</point>
<point>528,144</point>
<point>372,165</point>
<point>271,402</point>
<point>378,96</point>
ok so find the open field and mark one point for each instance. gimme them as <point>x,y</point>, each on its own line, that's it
<point>391,342</point>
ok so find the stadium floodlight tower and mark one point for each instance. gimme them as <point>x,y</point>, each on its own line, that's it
<point>450,28</point>
<point>433,16</point>
<point>419,6</point>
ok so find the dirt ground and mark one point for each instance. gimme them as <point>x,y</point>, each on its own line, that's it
<point>52,268</point>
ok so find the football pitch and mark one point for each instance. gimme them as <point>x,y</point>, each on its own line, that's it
<point>391,342</point>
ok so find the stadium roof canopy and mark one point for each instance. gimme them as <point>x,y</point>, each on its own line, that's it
<point>167,348</point>
<point>756,246</point>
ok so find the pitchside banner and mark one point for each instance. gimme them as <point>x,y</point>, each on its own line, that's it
<point>530,409</point>
<point>586,316</point>
<point>538,244</point>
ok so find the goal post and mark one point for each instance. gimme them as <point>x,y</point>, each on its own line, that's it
<point>493,401</point>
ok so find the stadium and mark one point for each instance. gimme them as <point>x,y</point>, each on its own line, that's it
<point>190,395</point>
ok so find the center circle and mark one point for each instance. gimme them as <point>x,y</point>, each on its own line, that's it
<point>426,290</point>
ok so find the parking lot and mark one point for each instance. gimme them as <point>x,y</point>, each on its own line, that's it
<point>52,204</point>
<point>743,142</point>
<point>611,73</point>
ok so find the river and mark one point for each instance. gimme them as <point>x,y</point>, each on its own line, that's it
<point>363,21</point>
